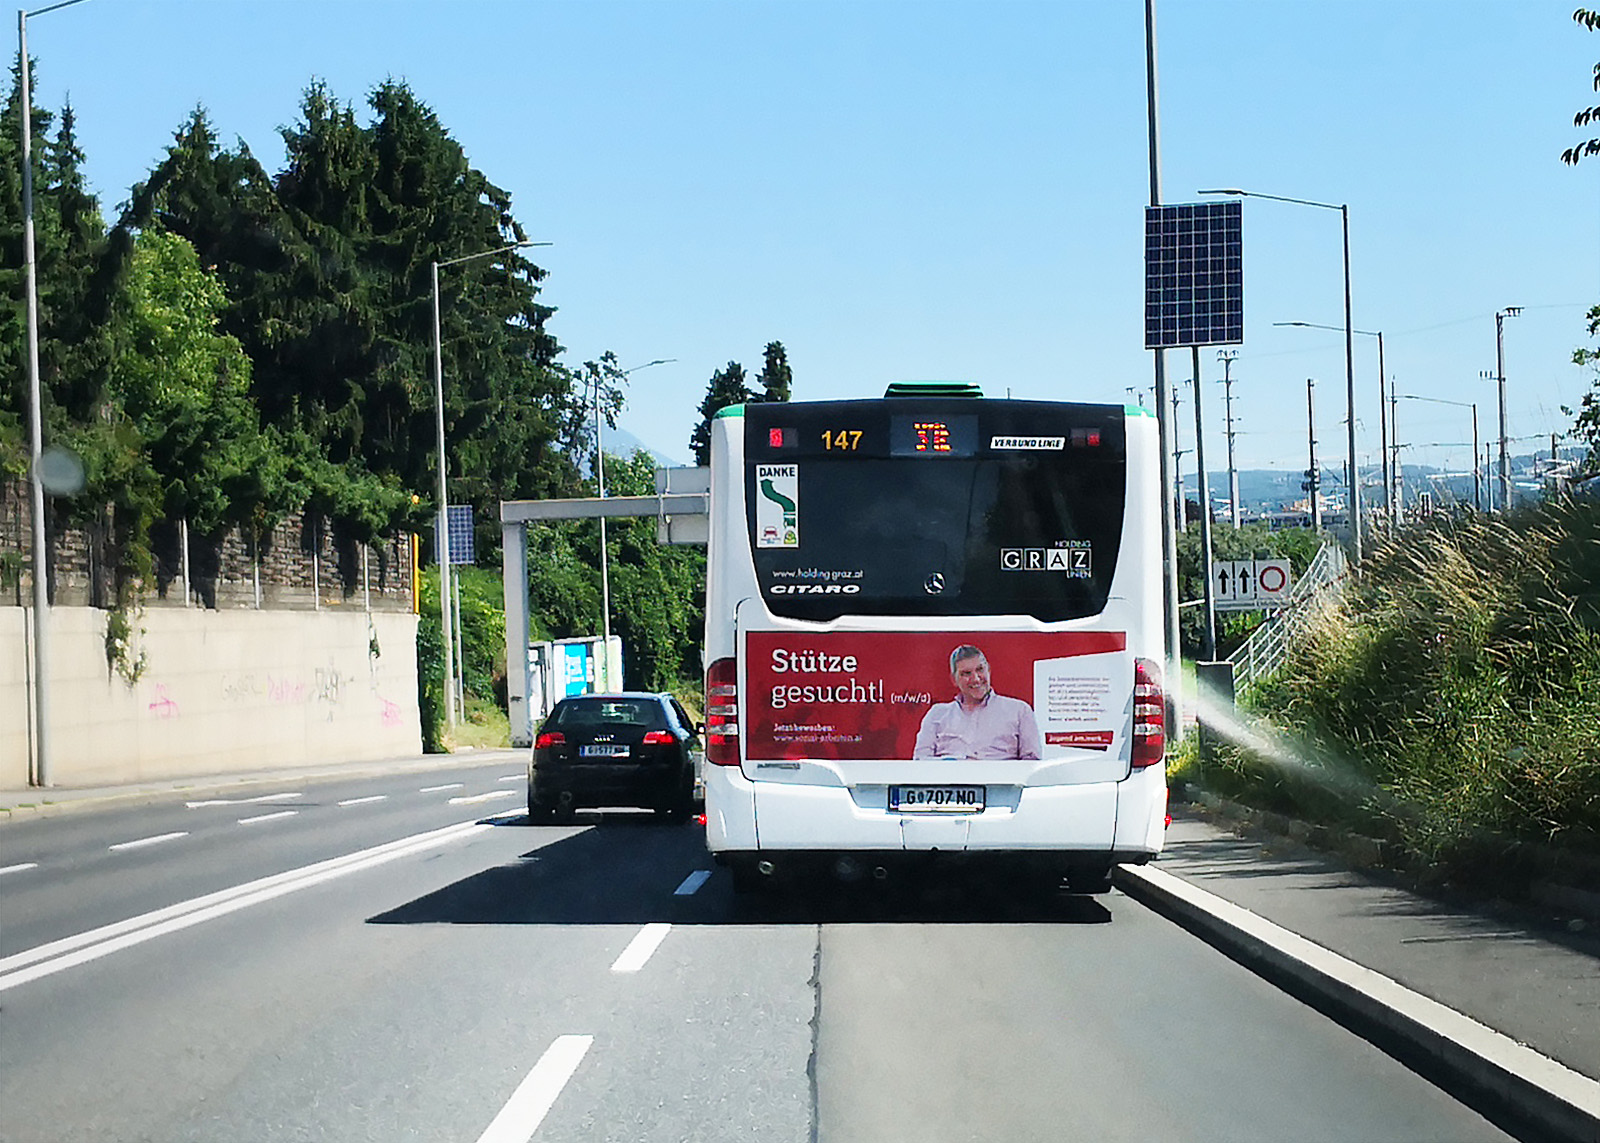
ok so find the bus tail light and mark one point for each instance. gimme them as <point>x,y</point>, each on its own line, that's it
<point>722,712</point>
<point>1149,714</point>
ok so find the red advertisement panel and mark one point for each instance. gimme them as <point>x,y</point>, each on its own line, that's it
<point>915,694</point>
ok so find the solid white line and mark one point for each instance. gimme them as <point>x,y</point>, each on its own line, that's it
<point>19,868</point>
<point>436,789</point>
<point>364,801</point>
<point>642,947</point>
<point>268,817</point>
<point>484,797</point>
<point>157,840</point>
<point>692,882</point>
<point>537,1093</point>
<point>45,960</point>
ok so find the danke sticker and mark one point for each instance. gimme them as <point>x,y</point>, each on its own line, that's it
<point>777,506</point>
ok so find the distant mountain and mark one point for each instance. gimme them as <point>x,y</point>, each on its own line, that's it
<point>1276,490</point>
<point>620,442</point>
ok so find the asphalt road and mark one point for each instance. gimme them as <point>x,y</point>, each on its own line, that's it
<point>405,958</point>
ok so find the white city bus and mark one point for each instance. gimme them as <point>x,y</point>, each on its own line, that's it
<point>934,628</point>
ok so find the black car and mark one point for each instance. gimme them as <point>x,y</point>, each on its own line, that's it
<point>630,749</point>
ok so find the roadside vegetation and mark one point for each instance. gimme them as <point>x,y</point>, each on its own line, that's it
<point>1447,704</point>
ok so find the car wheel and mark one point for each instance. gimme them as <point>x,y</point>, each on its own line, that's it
<point>538,809</point>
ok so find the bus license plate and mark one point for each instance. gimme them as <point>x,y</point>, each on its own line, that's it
<point>936,799</point>
<point>603,751</point>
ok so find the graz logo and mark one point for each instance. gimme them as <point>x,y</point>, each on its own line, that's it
<point>1074,561</point>
<point>814,589</point>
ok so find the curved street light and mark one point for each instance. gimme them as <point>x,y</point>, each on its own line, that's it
<point>41,568</point>
<point>1477,497</point>
<point>600,484</point>
<point>1383,413</point>
<point>443,533</point>
<point>1349,355</point>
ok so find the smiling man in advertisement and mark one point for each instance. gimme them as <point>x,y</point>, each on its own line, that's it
<point>978,722</point>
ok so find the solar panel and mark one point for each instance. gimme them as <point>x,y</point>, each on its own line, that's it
<point>1193,275</point>
<point>463,547</point>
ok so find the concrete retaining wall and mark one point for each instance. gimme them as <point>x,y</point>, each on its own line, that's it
<point>221,691</point>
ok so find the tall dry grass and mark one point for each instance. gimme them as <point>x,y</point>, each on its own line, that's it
<point>1450,700</point>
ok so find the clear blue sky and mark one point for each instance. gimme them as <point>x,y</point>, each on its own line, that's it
<point>955,189</point>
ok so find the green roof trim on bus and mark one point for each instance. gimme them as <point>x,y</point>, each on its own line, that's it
<point>933,389</point>
<point>1136,411</point>
<point>731,411</point>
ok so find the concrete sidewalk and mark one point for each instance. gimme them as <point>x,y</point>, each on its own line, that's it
<point>29,803</point>
<point>1531,977</point>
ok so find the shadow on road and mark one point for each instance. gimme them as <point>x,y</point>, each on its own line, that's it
<point>621,868</point>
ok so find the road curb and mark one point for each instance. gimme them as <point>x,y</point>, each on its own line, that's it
<point>1504,1080</point>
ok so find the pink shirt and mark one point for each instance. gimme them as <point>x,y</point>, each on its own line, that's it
<point>999,727</point>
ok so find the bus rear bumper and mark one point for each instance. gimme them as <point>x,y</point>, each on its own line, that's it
<point>748,816</point>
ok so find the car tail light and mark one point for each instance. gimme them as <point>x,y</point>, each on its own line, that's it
<point>657,737</point>
<point>550,738</point>
<point>1149,714</point>
<point>722,712</point>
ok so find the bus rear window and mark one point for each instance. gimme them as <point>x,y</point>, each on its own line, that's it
<point>944,508</point>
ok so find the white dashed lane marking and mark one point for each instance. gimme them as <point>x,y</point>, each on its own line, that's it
<point>268,817</point>
<point>144,841</point>
<point>489,797</point>
<point>243,801</point>
<point>642,947</point>
<point>436,789</point>
<point>692,882</point>
<point>364,801</point>
<point>4,869</point>
<point>537,1093</point>
<point>512,778</point>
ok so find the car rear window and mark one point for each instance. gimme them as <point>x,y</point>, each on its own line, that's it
<point>609,712</point>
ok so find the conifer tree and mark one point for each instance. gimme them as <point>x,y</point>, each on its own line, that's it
<point>775,377</point>
<point>727,387</point>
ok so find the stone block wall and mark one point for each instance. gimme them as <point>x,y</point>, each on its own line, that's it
<point>304,564</point>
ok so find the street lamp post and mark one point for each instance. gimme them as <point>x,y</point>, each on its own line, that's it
<point>1349,354</point>
<point>600,486</point>
<point>1383,418</point>
<point>1500,376</point>
<point>443,533</point>
<point>1477,498</point>
<point>41,564</point>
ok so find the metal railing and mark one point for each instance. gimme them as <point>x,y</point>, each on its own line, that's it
<point>1263,653</point>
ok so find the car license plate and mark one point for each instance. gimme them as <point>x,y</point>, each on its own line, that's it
<point>602,751</point>
<point>936,799</point>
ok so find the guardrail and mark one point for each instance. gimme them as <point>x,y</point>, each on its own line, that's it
<point>1263,653</point>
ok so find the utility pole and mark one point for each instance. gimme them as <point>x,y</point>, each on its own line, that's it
<point>1227,356</point>
<point>1182,514</point>
<point>1313,480</point>
<point>1500,374</point>
<point>1394,448</point>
